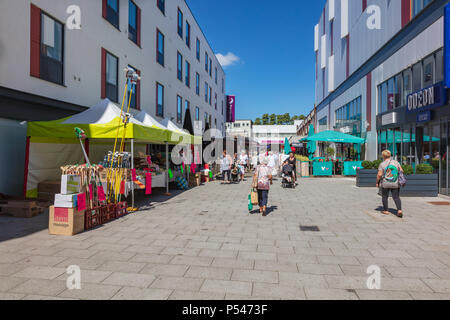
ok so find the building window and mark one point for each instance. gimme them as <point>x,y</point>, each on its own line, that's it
<point>188,34</point>
<point>112,69</point>
<point>197,84</point>
<point>222,107</point>
<point>162,6</point>
<point>179,109</point>
<point>206,92</point>
<point>198,49</point>
<point>51,56</point>
<point>206,61</point>
<point>223,85</point>
<point>186,105</point>
<point>215,101</point>
<point>159,47</point>
<point>179,66</point>
<point>323,124</point>
<point>133,29</point>
<point>332,36</point>
<point>417,77</point>
<point>197,114</point>
<point>407,85</point>
<point>187,78</point>
<point>216,75</point>
<point>159,100</point>
<point>180,23</point>
<point>440,66</point>
<point>210,96</point>
<point>419,5</point>
<point>112,12</point>
<point>428,71</point>
<point>210,67</point>
<point>350,116</point>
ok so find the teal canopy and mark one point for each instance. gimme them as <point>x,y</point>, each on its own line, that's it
<point>287,146</point>
<point>311,144</point>
<point>334,136</point>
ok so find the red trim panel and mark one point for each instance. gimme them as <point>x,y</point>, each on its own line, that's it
<point>364,5</point>
<point>27,162</point>
<point>369,100</point>
<point>104,9</point>
<point>103,75</point>
<point>139,26</point>
<point>406,12</point>
<point>138,92</point>
<point>35,41</point>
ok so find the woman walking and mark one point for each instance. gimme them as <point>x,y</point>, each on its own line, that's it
<point>263,179</point>
<point>387,179</point>
<point>225,167</point>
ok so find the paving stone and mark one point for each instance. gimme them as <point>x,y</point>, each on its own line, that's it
<point>239,247</point>
<point>89,276</point>
<point>224,286</point>
<point>42,260</point>
<point>191,295</point>
<point>383,295</point>
<point>237,297</point>
<point>218,253</point>
<point>177,283</point>
<point>144,249</point>
<point>209,273</point>
<point>255,276</point>
<point>11,296</point>
<point>7,283</point>
<point>438,285</point>
<point>132,293</point>
<point>301,280</point>
<point>275,266</point>
<point>192,261</point>
<point>151,258</point>
<point>90,291</point>
<point>40,287</point>
<point>233,263</point>
<point>165,270</point>
<point>246,255</point>
<point>84,264</point>
<point>204,245</point>
<point>319,269</point>
<point>7,269</point>
<point>329,294</point>
<point>278,291</point>
<point>410,272</point>
<point>337,260</point>
<point>181,252</point>
<point>120,266</point>
<point>430,296</point>
<point>378,253</point>
<point>40,272</point>
<point>129,279</point>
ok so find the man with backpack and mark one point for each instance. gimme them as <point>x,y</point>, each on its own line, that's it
<point>388,179</point>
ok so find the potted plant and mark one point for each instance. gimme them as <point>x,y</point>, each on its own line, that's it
<point>302,166</point>
<point>367,176</point>
<point>424,183</point>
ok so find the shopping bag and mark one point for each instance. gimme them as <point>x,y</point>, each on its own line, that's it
<point>250,204</point>
<point>254,197</point>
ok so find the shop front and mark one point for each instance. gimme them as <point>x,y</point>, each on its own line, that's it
<point>419,132</point>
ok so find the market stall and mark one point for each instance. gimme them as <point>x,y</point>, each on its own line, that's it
<point>327,167</point>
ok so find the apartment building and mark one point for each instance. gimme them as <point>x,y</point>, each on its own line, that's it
<point>58,58</point>
<point>382,73</point>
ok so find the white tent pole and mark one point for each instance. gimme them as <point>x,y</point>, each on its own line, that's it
<point>132,167</point>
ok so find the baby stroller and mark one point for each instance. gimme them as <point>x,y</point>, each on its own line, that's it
<point>287,177</point>
<point>235,173</point>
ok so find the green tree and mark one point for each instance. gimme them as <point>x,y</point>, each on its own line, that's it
<point>273,119</point>
<point>258,122</point>
<point>302,117</point>
<point>265,119</point>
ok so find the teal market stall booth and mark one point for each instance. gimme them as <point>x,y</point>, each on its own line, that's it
<point>322,167</point>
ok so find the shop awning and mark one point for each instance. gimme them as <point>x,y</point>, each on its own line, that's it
<point>98,122</point>
<point>333,136</point>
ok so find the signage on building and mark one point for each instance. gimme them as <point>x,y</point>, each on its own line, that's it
<point>427,98</point>
<point>424,116</point>
<point>447,45</point>
<point>390,118</point>
<point>231,108</point>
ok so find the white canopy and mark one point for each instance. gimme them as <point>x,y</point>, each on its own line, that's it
<point>173,127</point>
<point>102,113</point>
<point>148,120</point>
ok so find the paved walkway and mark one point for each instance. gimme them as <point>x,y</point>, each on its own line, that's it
<point>203,244</point>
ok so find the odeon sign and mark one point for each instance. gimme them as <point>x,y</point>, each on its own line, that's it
<point>426,98</point>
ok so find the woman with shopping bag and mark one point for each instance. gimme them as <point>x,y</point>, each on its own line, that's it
<point>262,179</point>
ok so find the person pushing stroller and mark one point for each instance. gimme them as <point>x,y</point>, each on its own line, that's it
<point>287,174</point>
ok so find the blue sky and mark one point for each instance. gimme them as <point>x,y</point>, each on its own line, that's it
<point>274,41</point>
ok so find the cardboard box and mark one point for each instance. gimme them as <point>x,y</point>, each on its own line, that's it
<point>65,221</point>
<point>70,184</point>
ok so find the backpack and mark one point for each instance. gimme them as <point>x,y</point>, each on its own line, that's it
<point>390,176</point>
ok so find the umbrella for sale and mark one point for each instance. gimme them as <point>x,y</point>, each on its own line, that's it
<point>287,146</point>
<point>311,144</point>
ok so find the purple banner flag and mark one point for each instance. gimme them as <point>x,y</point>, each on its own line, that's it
<point>231,107</point>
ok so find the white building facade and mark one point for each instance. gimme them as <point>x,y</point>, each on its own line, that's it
<point>56,60</point>
<point>239,128</point>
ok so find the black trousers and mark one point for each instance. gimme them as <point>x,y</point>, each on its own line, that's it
<point>226,173</point>
<point>263,198</point>
<point>395,195</point>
